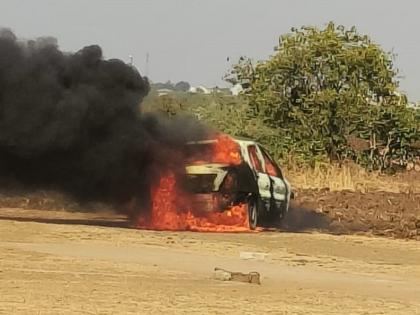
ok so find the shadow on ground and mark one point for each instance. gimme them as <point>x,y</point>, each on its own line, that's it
<point>301,220</point>
<point>90,222</point>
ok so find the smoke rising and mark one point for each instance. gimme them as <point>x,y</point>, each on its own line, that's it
<point>71,121</point>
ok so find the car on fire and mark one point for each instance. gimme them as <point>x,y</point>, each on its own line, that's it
<point>228,171</point>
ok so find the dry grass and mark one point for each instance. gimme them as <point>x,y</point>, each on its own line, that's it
<point>352,177</point>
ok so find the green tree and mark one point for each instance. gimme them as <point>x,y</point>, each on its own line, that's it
<point>182,86</point>
<point>322,86</point>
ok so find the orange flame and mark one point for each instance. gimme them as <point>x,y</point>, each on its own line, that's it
<point>167,215</point>
<point>227,151</point>
<point>172,209</point>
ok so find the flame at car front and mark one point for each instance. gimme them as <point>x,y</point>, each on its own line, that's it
<point>172,211</point>
<point>173,208</point>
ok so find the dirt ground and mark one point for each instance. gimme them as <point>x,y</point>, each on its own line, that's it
<point>54,262</point>
<point>348,212</point>
<point>382,213</point>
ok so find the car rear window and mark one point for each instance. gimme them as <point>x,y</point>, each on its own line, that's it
<point>199,183</point>
<point>199,152</point>
<point>224,151</point>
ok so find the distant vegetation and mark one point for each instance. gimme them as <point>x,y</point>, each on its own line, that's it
<point>325,95</point>
<point>180,86</point>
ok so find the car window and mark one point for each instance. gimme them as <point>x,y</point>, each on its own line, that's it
<point>255,159</point>
<point>271,167</point>
<point>200,152</point>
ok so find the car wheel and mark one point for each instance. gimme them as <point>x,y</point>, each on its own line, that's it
<point>252,213</point>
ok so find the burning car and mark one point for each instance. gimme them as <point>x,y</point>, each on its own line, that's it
<point>227,171</point>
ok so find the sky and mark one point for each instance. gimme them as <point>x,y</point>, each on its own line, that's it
<point>191,40</point>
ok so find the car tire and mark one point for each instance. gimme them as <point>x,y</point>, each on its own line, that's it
<point>253,213</point>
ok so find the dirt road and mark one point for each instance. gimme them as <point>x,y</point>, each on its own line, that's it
<point>55,263</point>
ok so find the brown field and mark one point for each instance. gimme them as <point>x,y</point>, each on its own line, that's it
<point>349,212</point>
<point>337,252</point>
<point>352,177</point>
<point>54,262</point>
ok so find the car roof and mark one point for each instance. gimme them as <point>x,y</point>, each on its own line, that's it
<point>242,141</point>
<point>239,140</point>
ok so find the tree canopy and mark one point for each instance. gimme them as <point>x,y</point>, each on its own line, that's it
<point>333,93</point>
<point>182,86</point>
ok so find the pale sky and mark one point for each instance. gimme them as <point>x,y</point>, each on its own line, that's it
<point>191,39</point>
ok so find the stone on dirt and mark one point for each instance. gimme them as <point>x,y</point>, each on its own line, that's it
<point>225,275</point>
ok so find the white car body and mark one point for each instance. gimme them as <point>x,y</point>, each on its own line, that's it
<point>270,187</point>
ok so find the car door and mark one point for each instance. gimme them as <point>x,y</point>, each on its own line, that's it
<point>280,189</point>
<point>263,180</point>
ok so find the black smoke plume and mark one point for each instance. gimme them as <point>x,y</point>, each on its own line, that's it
<point>71,121</point>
